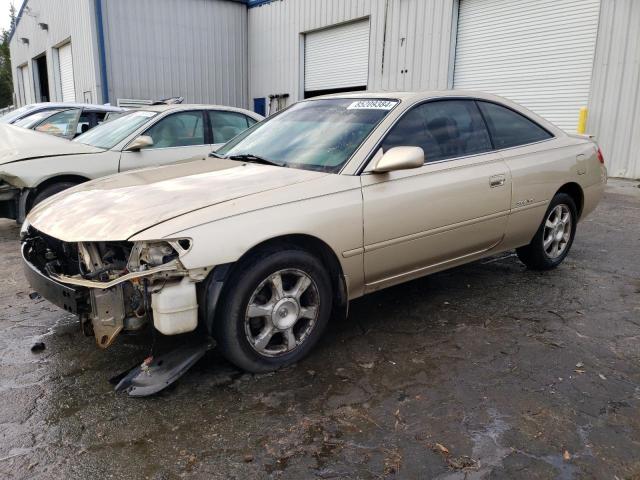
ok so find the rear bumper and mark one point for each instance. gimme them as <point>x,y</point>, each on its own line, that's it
<point>592,196</point>
<point>60,295</point>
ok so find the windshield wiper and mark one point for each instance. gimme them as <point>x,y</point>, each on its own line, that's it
<point>249,157</point>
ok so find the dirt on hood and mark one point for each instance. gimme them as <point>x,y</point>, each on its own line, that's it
<point>119,206</point>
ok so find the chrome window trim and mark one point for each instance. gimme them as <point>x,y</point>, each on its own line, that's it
<point>362,167</point>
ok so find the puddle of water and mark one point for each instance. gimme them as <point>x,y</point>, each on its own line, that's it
<point>487,450</point>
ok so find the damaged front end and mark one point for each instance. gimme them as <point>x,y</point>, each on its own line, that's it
<point>115,286</point>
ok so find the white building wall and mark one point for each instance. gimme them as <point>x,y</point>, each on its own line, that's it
<point>410,42</point>
<point>67,20</point>
<point>163,48</point>
<point>614,113</point>
<point>538,53</point>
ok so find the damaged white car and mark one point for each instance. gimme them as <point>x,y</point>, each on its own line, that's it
<point>324,202</point>
<point>35,166</point>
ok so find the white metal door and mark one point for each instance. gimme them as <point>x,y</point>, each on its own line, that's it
<point>538,53</point>
<point>26,85</point>
<point>337,57</point>
<point>67,86</point>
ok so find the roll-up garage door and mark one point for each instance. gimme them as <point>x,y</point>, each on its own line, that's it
<point>536,52</point>
<point>337,57</point>
<point>67,86</point>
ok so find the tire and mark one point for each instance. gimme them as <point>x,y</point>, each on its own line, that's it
<point>50,191</point>
<point>256,319</point>
<point>551,243</point>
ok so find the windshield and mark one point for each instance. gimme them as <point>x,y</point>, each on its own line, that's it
<point>107,135</point>
<point>17,113</point>
<point>32,120</point>
<point>314,135</point>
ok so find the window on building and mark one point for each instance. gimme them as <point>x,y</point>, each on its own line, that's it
<point>509,128</point>
<point>443,129</point>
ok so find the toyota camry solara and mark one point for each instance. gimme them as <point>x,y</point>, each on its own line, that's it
<point>260,243</point>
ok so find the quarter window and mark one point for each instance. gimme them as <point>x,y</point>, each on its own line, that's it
<point>509,128</point>
<point>183,129</point>
<point>443,129</point>
<point>226,125</point>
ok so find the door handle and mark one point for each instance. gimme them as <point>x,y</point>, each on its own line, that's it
<point>497,180</point>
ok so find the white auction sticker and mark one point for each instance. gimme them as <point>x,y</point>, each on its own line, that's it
<point>372,105</point>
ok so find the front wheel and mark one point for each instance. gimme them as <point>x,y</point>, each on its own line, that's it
<point>50,191</point>
<point>554,238</point>
<point>274,309</point>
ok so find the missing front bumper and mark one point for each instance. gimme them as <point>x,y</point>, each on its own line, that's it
<point>62,296</point>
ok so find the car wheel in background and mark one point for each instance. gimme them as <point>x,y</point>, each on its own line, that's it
<point>554,238</point>
<point>275,306</point>
<point>50,191</point>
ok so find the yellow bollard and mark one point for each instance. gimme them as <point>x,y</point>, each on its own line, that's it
<point>582,120</point>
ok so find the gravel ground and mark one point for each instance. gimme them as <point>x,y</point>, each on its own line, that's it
<point>484,371</point>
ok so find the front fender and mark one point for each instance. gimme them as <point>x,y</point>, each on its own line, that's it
<point>335,219</point>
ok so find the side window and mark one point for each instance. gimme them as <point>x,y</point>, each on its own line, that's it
<point>100,117</point>
<point>226,125</point>
<point>84,123</point>
<point>509,128</point>
<point>62,124</point>
<point>183,129</point>
<point>444,129</point>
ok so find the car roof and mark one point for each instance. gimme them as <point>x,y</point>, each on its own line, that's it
<point>91,106</point>
<point>192,106</point>
<point>414,96</point>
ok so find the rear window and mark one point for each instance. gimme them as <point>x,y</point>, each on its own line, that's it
<point>226,125</point>
<point>509,128</point>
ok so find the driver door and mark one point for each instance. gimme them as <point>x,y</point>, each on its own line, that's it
<point>449,210</point>
<point>177,137</point>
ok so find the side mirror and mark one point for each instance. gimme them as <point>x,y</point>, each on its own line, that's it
<point>143,141</point>
<point>399,158</point>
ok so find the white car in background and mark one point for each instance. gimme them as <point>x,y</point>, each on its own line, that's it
<point>66,120</point>
<point>34,166</point>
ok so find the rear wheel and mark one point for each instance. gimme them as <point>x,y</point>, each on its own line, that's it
<point>553,240</point>
<point>275,307</point>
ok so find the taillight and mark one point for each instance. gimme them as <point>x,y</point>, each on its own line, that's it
<point>600,157</point>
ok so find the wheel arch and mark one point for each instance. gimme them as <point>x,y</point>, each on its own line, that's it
<point>214,284</point>
<point>77,179</point>
<point>575,191</point>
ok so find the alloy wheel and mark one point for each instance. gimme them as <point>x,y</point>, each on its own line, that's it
<point>557,231</point>
<point>281,313</point>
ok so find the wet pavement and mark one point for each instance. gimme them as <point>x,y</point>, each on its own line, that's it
<point>484,371</point>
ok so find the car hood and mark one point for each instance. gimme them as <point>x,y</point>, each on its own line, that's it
<point>17,143</point>
<point>119,206</point>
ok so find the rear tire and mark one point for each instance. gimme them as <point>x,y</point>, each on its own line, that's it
<point>275,307</point>
<point>553,240</point>
<point>50,191</point>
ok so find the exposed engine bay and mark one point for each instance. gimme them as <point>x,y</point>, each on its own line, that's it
<point>118,286</point>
